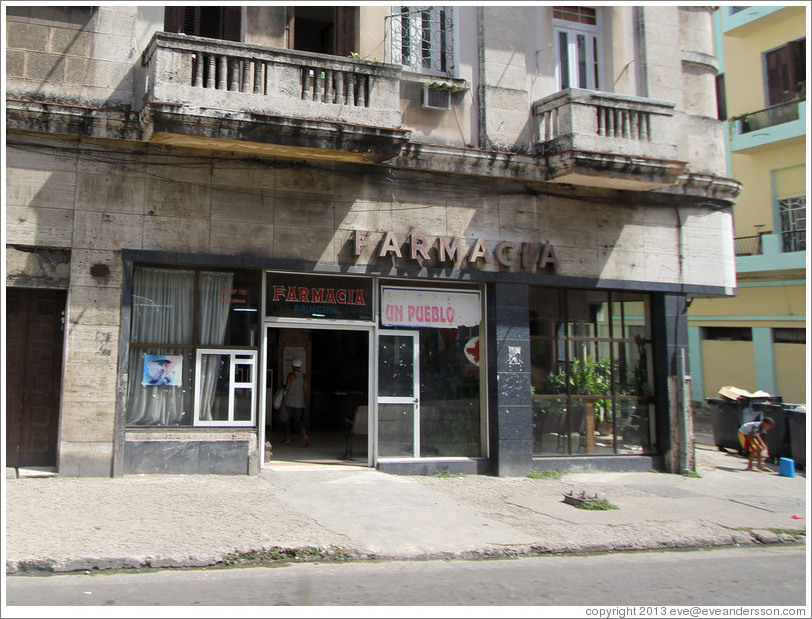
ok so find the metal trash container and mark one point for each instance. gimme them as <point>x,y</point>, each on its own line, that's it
<point>797,436</point>
<point>727,416</point>
<point>777,439</point>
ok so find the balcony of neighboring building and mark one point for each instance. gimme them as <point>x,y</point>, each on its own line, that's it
<point>195,90</point>
<point>603,139</point>
<point>740,21</point>
<point>769,252</point>
<point>783,121</point>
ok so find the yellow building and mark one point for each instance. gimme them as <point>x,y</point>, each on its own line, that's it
<point>757,339</point>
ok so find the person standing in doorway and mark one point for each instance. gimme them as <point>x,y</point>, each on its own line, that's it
<point>296,386</point>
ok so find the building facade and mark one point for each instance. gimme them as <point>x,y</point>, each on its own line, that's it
<point>476,227</point>
<point>757,340</point>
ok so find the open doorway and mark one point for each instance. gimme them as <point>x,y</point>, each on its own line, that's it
<point>336,365</point>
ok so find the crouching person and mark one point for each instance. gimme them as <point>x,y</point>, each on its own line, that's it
<point>751,438</point>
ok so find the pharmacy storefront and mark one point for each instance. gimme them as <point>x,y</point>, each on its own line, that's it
<point>405,375</point>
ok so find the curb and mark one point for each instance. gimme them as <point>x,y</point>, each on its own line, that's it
<point>307,554</point>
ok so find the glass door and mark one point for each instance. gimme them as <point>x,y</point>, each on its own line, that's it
<point>398,394</point>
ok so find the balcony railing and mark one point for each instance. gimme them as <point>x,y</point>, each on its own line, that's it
<point>769,117</point>
<point>748,245</point>
<point>602,139</point>
<point>607,123</point>
<point>224,75</point>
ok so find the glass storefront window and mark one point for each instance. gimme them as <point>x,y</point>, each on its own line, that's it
<point>174,313</point>
<point>590,354</point>
<point>444,327</point>
<point>160,394</point>
<point>449,393</point>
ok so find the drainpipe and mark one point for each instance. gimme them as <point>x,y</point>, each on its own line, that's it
<point>480,76</point>
<point>681,411</point>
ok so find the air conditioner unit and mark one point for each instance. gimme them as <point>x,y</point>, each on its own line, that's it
<point>436,98</point>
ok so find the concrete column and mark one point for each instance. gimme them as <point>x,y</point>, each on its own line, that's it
<point>765,360</point>
<point>510,407</point>
<point>673,412</point>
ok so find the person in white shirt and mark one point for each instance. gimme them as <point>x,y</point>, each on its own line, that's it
<point>751,438</point>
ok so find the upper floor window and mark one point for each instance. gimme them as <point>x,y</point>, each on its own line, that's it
<point>785,70</point>
<point>577,47</point>
<point>212,22</point>
<point>422,38</point>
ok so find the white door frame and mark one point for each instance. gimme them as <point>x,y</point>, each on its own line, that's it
<point>337,325</point>
<point>413,399</point>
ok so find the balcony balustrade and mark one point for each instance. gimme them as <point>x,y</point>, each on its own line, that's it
<point>207,78</point>
<point>623,135</point>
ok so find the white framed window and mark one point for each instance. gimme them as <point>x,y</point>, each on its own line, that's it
<point>225,389</point>
<point>577,47</point>
<point>422,38</point>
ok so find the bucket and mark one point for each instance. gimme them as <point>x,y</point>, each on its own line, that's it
<point>786,467</point>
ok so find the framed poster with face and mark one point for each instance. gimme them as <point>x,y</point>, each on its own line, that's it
<point>162,370</point>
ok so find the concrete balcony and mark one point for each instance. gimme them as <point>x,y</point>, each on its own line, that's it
<point>607,140</point>
<point>194,91</point>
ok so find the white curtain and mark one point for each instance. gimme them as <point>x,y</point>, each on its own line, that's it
<point>163,314</point>
<point>214,308</point>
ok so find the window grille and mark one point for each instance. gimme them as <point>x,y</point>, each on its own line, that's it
<point>421,39</point>
<point>792,212</point>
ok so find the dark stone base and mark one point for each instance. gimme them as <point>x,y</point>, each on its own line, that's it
<point>473,466</point>
<point>186,457</point>
<point>612,464</point>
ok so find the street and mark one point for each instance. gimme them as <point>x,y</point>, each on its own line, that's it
<point>768,576</point>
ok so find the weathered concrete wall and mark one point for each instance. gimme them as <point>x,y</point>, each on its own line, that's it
<point>159,198</point>
<point>73,54</point>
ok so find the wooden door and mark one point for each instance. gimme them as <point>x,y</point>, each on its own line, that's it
<point>34,328</point>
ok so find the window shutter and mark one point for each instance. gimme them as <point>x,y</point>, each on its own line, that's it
<point>778,87</point>
<point>173,19</point>
<point>232,18</point>
<point>346,19</point>
<point>290,27</point>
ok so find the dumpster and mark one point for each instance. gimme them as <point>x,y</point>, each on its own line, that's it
<point>777,439</point>
<point>727,416</point>
<point>797,435</point>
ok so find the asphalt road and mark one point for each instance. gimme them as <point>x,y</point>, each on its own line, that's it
<point>760,576</point>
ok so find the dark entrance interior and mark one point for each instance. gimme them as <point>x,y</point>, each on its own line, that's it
<point>34,328</point>
<point>336,363</point>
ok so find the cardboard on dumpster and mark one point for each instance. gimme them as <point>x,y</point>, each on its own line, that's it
<point>734,393</point>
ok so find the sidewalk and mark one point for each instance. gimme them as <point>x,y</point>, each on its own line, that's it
<point>293,512</point>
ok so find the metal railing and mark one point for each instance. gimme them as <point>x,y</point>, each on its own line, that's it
<point>748,245</point>
<point>769,117</point>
